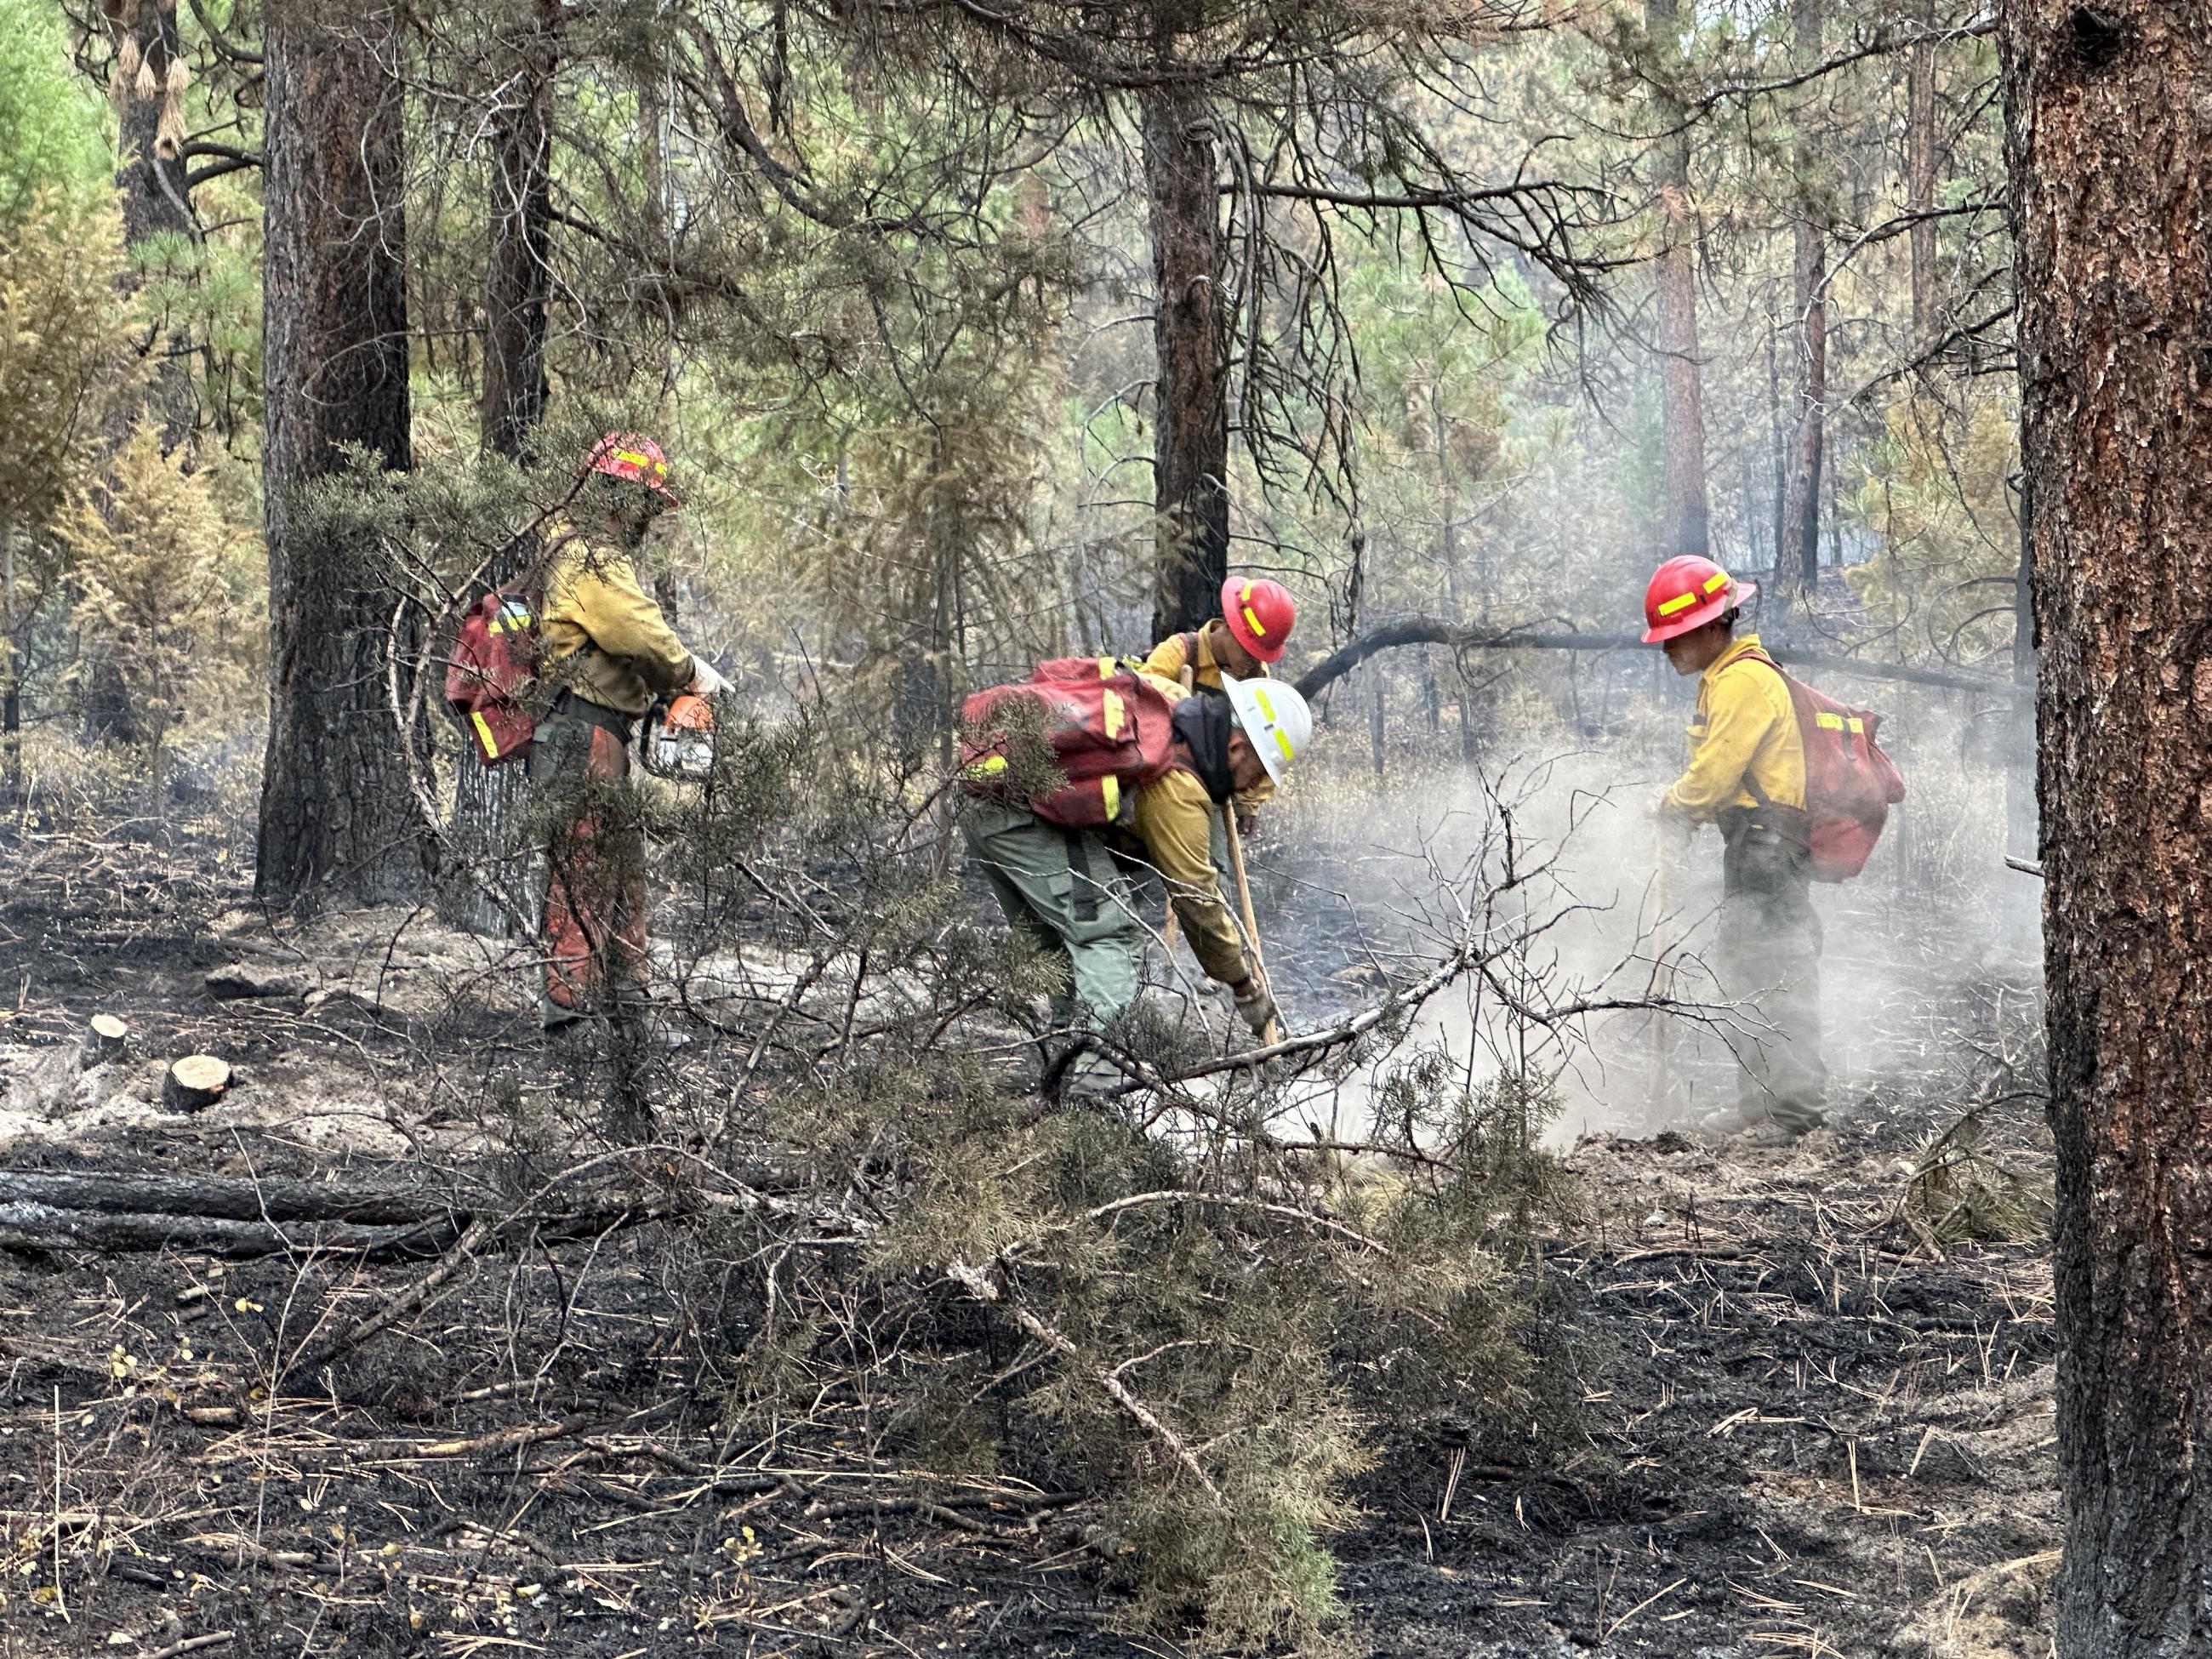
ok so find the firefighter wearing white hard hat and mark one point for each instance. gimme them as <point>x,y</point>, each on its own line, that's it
<point>1064,892</point>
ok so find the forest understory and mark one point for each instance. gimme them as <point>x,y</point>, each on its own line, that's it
<point>1814,1414</point>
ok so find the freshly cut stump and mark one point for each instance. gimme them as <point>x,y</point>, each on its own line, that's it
<point>195,1083</point>
<point>104,1039</point>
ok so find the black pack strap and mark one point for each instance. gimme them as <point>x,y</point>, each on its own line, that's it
<point>1084,887</point>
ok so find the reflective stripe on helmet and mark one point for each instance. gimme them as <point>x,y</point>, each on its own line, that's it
<point>1716,581</point>
<point>1680,602</point>
<point>1251,619</point>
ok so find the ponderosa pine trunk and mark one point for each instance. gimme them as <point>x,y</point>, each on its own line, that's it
<point>1190,466</point>
<point>1684,525</point>
<point>1797,558</point>
<point>2108,115</point>
<point>337,815</point>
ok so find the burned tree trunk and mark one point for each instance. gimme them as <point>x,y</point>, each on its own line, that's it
<point>2109,139</point>
<point>1684,514</point>
<point>336,809</point>
<point>488,802</point>
<point>1797,556</point>
<point>1190,467</point>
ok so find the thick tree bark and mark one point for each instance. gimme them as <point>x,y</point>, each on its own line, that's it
<point>2109,139</point>
<point>1920,143</point>
<point>335,810</point>
<point>1797,561</point>
<point>1684,524</point>
<point>1190,469</point>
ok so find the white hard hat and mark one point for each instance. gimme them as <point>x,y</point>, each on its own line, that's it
<point>1275,719</point>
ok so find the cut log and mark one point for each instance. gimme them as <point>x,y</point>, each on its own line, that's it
<point>195,1083</point>
<point>104,1039</point>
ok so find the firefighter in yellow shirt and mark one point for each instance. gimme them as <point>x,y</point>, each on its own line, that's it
<point>1064,892</point>
<point>1746,775</point>
<point>605,645</point>
<point>1252,631</point>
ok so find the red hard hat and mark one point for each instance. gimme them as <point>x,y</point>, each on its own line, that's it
<point>634,457</point>
<point>1259,615</point>
<point>1685,594</point>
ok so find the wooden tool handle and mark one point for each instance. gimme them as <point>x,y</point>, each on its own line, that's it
<point>1273,1033</point>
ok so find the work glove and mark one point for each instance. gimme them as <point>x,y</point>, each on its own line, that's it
<point>1254,1006</point>
<point>1662,803</point>
<point>706,682</point>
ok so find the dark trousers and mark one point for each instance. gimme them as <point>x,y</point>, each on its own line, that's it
<point>594,915</point>
<point>1769,965</point>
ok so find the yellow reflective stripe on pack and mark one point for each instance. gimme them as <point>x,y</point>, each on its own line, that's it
<point>508,623</point>
<point>483,734</point>
<point>1106,668</point>
<point>1109,793</point>
<point>1680,602</point>
<point>1112,711</point>
<point>1838,722</point>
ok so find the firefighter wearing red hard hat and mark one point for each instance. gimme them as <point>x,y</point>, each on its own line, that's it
<point>606,644</point>
<point>1252,631</point>
<point>1747,776</point>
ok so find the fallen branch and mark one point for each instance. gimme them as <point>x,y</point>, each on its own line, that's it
<point>984,1285</point>
<point>1429,630</point>
<point>1232,1201</point>
<point>314,1355</point>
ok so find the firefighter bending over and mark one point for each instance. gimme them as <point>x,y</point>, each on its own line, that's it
<point>1251,633</point>
<point>1058,885</point>
<point>605,643</point>
<point>1746,775</point>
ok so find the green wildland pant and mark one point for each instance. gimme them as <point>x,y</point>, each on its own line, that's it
<point>1063,894</point>
<point>1768,961</point>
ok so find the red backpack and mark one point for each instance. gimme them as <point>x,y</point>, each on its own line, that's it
<point>1111,733</point>
<point>488,682</point>
<point>1849,784</point>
